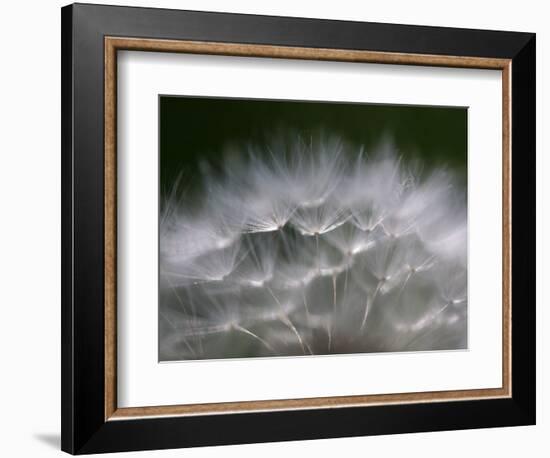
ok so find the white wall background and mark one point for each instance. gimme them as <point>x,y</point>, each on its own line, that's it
<point>30,226</point>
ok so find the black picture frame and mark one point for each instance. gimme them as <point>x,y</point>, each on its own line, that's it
<point>84,427</point>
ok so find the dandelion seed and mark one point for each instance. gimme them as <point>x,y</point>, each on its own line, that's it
<point>309,170</point>
<point>258,265</point>
<point>315,221</point>
<point>351,240</point>
<point>255,336</point>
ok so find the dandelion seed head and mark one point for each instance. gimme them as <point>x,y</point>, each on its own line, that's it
<point>312,246</point>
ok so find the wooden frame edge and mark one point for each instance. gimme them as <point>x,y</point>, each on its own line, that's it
<point>110,201</point>
<point>507,228</point>
<point>111,46</point>
<point>292,52</point>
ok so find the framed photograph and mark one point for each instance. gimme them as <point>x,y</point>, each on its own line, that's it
<point>281,228</point>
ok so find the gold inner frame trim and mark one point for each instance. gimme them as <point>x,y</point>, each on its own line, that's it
<point>112,45</point>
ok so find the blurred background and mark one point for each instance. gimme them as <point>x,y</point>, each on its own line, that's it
<point>197,128</point>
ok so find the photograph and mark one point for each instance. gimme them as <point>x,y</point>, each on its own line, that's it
<point>298,228</point>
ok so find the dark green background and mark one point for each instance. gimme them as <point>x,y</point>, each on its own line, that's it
<point>194,128</point>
